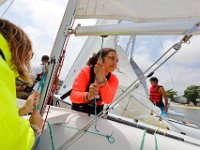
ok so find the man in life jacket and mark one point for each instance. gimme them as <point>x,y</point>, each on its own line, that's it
<point>157,92</point>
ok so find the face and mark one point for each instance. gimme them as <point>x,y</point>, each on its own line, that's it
<point>153,83</point>
<point>45,61</point>
<point>110,62</point>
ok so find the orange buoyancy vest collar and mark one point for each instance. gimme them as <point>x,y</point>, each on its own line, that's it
<point>155,96</point>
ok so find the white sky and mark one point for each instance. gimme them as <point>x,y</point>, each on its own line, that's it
<point>41,20</point>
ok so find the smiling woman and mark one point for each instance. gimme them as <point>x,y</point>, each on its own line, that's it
<point>95,81</point>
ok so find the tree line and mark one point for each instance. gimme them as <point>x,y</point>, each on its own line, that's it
<point>191,93</point>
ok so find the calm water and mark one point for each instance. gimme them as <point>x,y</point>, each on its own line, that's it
<point>190,114</point>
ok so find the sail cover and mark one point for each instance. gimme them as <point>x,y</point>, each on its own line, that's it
<point>139,10</point>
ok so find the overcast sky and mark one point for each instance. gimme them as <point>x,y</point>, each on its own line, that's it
<point>41,20</point>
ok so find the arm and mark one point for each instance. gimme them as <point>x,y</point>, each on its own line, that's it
<point>162,91</point>
<point>109,89</point>
<point>28,107</point>
<point>16,132</point>
<point>79,87</point>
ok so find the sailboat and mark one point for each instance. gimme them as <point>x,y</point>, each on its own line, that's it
<point>135,105</point>
<point>67,129</point>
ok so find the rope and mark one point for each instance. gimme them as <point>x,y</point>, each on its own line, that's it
<point>156,142</point>
<point>117,99</point>
<point>95,100</point>
<point>41,86</point>
<point>52,86</point>
<point>143,138</point>
<point>52,90</point>
<point>51,138</point>
<point>156,113</point>
<point>167,64</point>
<point>110,137</point>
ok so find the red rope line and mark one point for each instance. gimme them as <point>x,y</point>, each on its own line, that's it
<point>56,77</point>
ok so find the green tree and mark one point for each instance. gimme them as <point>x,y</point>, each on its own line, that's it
<point>171,93</point>
<point>192,93</point>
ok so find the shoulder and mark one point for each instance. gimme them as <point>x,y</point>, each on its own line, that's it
<point>84,72</point>
<point>113,77</point>
<point>85,69</point>
<point>161,88</point>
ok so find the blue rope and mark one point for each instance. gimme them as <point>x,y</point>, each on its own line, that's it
<point>110,137</point>
<point>51,136</point>
<point>95,100</point>
<point>142,142</point>
<point>156,143</point>
<point>41,87</point>
<point>37,144</point>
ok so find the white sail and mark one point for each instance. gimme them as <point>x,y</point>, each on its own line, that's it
<point>136,104</point>
<point>139,10</point>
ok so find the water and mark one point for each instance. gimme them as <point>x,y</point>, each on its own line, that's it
<point>191,115</point>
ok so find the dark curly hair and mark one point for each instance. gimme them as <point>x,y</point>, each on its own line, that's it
<point>93,60</point>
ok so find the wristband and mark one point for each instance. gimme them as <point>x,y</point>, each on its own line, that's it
<point>86,97</point>
<point>101,82</point>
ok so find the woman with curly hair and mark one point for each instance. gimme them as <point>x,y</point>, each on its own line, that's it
<point>15,55</point>
<point>96,80</point>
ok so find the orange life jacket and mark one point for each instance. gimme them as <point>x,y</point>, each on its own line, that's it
<point>155,96</point>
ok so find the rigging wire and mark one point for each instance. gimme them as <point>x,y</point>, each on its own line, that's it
<point>7,8</point>
<point>167,64</point>
<point>96,80</point>
<point>109,137</point>
<point>128,90</point>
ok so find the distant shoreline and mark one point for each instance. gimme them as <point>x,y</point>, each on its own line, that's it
<point>184,106</point>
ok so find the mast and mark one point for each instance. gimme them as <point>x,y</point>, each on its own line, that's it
<point>57,52</point>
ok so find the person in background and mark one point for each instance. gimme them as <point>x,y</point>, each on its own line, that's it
<point>38,72</point>
<point>15,55</point>
<point>96,80</point>
<point>157,92</point>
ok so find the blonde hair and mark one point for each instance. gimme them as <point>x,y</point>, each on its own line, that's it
<point>20,47</point>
